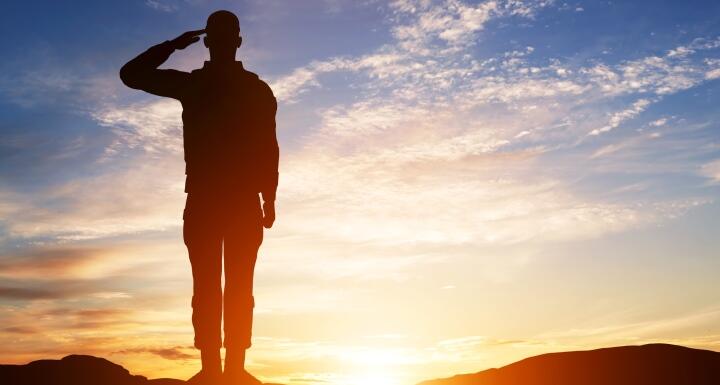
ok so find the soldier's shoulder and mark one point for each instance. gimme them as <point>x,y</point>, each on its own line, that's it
<point>261,84</point>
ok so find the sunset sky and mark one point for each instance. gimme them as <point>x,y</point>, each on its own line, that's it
<point>462,184</point>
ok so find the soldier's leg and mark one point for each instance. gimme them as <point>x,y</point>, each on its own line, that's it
<point>242,241</point>
<point>203,239</point>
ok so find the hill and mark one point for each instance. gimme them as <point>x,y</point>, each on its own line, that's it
<point>653,364</point>
<point>75,370</point>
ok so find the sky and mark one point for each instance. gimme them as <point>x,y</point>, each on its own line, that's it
<point>462,184</point>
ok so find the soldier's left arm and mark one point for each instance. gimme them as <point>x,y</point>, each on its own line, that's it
<point>271,149</point>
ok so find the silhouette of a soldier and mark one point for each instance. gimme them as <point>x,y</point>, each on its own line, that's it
<point>231,155</point>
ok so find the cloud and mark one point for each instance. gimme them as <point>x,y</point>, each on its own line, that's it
<point>19,330</point>
<point>45,261</point>
<point>626,144</point>
<point>659,122</point>
<point>713,74</point>
<point>452,22</point>
<point>711,170</point>
<point>144,193</point>
<point>35,85</point>
<point>58,327</point>
<point>162,5</point>
<point>370,197</point>
<point>686,329</point>
<point>470,345</point>
<point>439,148</point>
<point>47,288</point>
<point>421,29</point>
<point>434,122</point>
<point>420,59</point>
<point>146,151</point>
<point>421,134</point>
<point>156,127</point>
<point>173,353</point>
<point>617,118</point>
<point>21,293</point>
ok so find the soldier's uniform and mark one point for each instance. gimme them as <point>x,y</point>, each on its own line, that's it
<point>231,155</point>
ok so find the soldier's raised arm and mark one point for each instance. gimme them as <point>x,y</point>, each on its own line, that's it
<point>142,72</point>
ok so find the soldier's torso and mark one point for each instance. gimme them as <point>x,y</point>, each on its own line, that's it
<point>221,133</point>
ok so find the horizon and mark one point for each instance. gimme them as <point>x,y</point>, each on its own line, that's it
<point>463,184</point>
<point>640,350</point>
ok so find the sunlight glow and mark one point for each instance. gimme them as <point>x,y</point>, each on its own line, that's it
<point>376,366</point>
<point>380,377</point>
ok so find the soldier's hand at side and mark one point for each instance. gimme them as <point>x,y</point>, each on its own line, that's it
<point>187,38</point>
<point>268,214</point>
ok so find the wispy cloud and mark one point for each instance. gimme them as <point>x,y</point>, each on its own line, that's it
<point>43,262</point>
<point>617,118</point>
<point>162,5</point>
<point>20,293</point>
<point>172,353</point>
<point>711,170</point>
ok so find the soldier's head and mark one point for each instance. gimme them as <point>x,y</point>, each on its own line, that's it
<point>222,34</point>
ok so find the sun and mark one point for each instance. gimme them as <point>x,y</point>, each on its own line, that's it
<point>374,366</point>
<point>379,377</point>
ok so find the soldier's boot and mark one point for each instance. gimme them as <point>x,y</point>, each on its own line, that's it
<point>235,373</point>
<point>211,372</point>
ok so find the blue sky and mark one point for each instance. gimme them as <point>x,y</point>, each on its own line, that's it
<point>459,167</point>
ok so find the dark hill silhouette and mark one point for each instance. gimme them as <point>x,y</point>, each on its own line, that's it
<point>79,370</point>
<point>75,370</point>
<point>653,364</point>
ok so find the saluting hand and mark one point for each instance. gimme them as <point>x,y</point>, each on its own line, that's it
<point>187,38</point>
